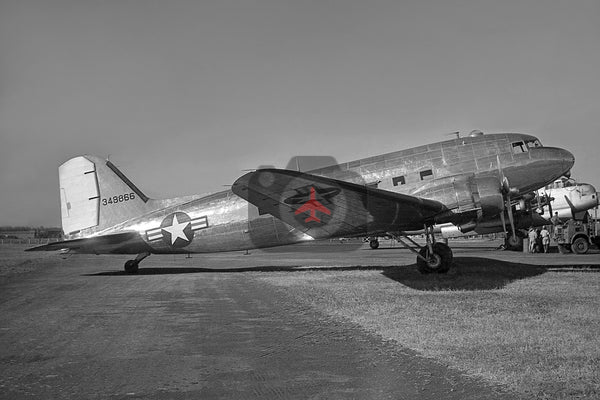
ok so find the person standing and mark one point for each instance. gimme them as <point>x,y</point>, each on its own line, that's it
<point>532,239</point>
<point>545,235</point>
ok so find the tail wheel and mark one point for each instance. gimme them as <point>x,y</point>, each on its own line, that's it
<point>439,261</point>
<point>374,244</point>
<point>131,266</point>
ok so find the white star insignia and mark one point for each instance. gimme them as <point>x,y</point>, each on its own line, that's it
<point>176,230</point>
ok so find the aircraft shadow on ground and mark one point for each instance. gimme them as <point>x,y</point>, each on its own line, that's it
<point>195,270</point>
<point>467,273</point>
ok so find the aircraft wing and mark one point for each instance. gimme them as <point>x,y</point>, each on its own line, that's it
<point>355,210</point>
<point>118,243</point>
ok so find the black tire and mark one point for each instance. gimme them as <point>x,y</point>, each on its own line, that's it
<point>447,257</point>
<point>374,244</point>
<point>580,245</point>
<point>131,266</point>
<point>514,243</point>
<point>440,261</point>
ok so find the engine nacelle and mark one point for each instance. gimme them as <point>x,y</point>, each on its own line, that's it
<point>490,196</point>
<point>469,198</point>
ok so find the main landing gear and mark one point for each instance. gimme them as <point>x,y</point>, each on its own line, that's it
<point>132,266</point>
<point>433,257</point>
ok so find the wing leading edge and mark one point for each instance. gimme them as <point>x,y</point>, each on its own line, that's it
<point>297,198</point>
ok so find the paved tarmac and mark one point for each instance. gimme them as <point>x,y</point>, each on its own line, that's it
<point>206,328</point>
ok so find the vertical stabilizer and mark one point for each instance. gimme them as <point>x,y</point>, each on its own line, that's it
<point>95,195</point>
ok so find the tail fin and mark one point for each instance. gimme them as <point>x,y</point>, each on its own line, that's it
<point>95,195</point>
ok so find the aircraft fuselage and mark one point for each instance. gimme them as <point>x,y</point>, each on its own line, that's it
<point>445,171</point>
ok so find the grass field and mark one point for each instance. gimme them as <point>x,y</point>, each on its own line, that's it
<point>15,261</point>
<point>533,330</point>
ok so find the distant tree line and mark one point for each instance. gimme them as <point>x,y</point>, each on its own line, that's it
<point>12,232</point>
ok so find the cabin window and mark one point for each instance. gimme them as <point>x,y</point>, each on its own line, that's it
<point>519,147</point>
<point>398,180</point>
<point>534,143</point>
<point>425,175</point>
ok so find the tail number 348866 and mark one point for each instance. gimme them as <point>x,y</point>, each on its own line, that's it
<point>118,199</point>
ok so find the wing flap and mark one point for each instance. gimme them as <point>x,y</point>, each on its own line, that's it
<point>297,198</point>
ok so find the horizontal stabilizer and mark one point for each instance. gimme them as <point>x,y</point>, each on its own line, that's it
<point>118,243</point>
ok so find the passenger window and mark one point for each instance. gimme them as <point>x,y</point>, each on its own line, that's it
<point>398,180</point>
<point>425,175</point>
<point>519,147</point>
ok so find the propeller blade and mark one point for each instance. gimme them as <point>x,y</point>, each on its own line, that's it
<point>571,206</point>
<point>505,188</point>
<point>511,217</point>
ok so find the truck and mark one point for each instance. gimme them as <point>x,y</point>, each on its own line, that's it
<point>576,236</point>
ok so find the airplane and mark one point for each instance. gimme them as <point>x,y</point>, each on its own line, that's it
<point>463,181</point>
<point>566,198</point>
<point>312,205</point>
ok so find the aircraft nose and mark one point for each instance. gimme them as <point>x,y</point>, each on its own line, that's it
<point>565,159</point>
<point>554,161</point>
<point>568,158</point>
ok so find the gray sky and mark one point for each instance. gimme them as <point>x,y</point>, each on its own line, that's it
<point>184,95</point>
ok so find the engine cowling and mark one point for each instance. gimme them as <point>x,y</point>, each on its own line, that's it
<point>468,198</point>
<point>490,194</point>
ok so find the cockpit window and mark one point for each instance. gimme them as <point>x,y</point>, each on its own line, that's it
<point>533,143</point>
<point>519,147</point>
<point>562,183</point>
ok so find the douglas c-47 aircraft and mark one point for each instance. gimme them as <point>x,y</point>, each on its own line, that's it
<point>464,181</point>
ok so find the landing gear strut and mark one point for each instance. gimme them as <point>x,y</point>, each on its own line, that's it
<point>132,266</point>
<point>433,257</point>
<point>439,259</point>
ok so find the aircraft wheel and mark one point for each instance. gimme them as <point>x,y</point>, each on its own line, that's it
<point>580,246</point>
<point>514,243</point>
<point>131,266</point>
<point>440,261</point>
<point>447,257</point>
<point>374,244</point>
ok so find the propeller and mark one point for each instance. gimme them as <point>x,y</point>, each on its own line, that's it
<point>549,201</point>
<point>543,201</point>
<point>506,192</point>
<point>571,206</point>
